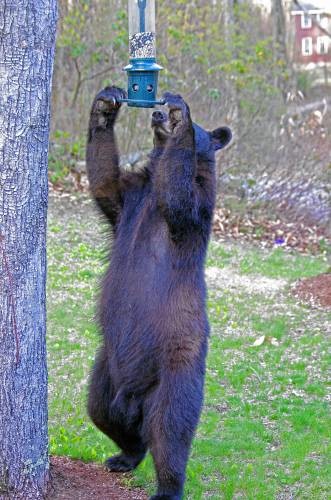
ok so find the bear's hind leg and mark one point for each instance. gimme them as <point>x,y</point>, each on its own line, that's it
<point>132,446</point>
<point>126,437</point>
<point>173,418</point>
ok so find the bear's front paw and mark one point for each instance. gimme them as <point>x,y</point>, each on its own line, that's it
<point>179,112</point>
<point>108,100</point>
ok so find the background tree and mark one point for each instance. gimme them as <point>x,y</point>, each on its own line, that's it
<point>27,41</point>
<point>282,80</point>
<point>232,61</point>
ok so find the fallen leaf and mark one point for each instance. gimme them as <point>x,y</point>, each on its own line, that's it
<point>259,341</point>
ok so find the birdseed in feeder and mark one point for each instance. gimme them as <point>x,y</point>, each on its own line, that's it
<point>142,45</point>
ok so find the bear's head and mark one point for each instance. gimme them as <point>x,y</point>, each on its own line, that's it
<point>206,143</point>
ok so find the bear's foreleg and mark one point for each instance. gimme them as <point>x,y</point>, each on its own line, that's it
<point>174,177</point>
<point>102,158</point>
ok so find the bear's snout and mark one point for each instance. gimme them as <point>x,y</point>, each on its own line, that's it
<point>159,116</point>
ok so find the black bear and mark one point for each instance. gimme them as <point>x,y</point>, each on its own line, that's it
<point>146,387</point>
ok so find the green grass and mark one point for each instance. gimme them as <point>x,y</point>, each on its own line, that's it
<point>265,428</point>
<point>277,263</point>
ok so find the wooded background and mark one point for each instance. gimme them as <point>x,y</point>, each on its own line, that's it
<point>231,62</point>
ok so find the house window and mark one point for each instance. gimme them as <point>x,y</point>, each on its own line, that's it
<point>324,22</point>
<point>322,44</point>
<point>307,46</point>
<point>305,20</point>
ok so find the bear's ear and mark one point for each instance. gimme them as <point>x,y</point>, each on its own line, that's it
<point>221,137</point>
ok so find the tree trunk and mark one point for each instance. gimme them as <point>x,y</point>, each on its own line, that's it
<point>27,42</point>
<point>231,30</point>
<point>279,45</point>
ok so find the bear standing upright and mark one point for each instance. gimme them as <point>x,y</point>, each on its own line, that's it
<point>146,388</point>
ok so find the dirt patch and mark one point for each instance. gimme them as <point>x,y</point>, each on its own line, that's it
<point>316,290</point>
<point>229,279</point>
<point>76,480</point>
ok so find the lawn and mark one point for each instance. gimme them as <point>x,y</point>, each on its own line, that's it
<point>265,428</point>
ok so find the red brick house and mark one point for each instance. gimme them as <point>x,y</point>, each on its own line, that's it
<point>312,41</point>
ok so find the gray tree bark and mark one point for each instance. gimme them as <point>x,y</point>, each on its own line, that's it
<point>27,42</point>
<point>279,45</point>
<point>231,30</point>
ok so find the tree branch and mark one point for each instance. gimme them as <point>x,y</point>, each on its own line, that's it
<point>86,79</point>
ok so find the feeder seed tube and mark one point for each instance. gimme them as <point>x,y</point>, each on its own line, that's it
<point>142,29</point>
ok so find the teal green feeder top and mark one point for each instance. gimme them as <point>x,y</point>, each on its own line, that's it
<point>143,70</point>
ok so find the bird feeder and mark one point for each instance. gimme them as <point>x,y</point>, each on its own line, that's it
<point>143,70</point>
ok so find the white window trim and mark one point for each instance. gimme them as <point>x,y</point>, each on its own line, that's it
<point>325,41</point>
<point>306,17</point>
<point>299,12</point>
<point>310,46</point>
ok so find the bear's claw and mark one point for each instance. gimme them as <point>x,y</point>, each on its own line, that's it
<point>108,99</point>
<point>179,112</point>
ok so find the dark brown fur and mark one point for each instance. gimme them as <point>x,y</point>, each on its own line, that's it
<point>146,388</point>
